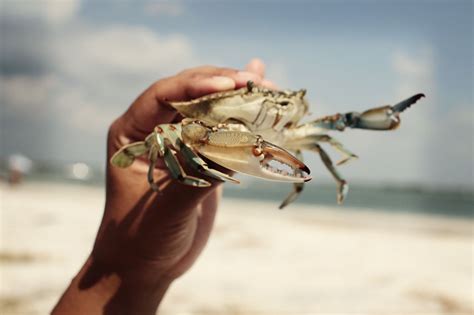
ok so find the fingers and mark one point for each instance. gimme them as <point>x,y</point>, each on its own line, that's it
<point>150,108</point>
<point>207,85</point>
<point>256,66</point>
<point>223,80</point>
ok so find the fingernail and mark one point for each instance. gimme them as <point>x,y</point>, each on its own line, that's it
<point>256,66</point>
<point>256,61</point>
<point>221,82</point>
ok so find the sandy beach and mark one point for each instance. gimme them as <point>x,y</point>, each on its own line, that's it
<point>305,260</point>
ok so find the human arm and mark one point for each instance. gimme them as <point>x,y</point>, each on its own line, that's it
<point>146,240</point>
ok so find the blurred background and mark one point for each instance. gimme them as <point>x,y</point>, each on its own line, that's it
<point>402,243</point>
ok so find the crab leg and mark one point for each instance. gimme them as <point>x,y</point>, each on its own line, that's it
<point>156,143</point>
<point>159,143</point>
<point>127,154</point>
<point>158,148</point>
<point>347,155</point>
<point>338,146</point>
<point>297,187</point>
<point>177,172</point>
<point>153,157</point>
<point>343,188</point>
<point>295,141</point>
<point>201,166</point>
<point>379,118</point>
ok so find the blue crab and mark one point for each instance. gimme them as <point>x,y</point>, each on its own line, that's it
<point>254,130</point>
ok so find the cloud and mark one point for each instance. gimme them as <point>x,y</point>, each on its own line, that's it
<point>119,50</point>
<point>52,12</point>
<point>415,72</point>
<point>73,77</point>
<point>87,77</point>
<point>22,92</point>
<point>406,65</point>
<point>114,65</point>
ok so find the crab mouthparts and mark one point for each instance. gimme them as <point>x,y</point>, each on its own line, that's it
<point>278,161</point>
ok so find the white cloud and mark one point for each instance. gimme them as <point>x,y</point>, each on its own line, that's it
<point>119,50</point>
<point>415,72</point>
<point>20,93</point>
<point>50,11</point>
<point>103,70</point>
<point>90,76</point>
<point>405,64</point>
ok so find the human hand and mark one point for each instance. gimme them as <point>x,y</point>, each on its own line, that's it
<point>146,240</point>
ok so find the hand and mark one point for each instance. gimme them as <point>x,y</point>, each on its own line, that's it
<point>146,240</point>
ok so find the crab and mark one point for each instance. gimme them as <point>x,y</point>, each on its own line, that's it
<point>255,131</point>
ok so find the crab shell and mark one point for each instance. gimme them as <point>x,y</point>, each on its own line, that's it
<point>255,109</point>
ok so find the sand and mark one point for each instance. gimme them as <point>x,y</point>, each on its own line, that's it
<point>305,260</point>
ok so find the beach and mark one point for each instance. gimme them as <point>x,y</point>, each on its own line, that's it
<point>307,259</point>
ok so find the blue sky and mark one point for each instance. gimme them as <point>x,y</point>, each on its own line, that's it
<point>70,67</point>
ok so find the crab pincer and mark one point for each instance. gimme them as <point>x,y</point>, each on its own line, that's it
<point>244,152</point>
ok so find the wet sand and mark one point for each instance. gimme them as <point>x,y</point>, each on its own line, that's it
<point>304,260</point>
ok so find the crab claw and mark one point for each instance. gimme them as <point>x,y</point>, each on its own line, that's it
<point>279,164</point>
<point>381,118</point>
<point>257,158</point>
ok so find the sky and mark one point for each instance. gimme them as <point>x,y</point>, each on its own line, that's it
<point>70,67</point>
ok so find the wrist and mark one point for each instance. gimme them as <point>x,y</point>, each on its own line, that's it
<point>99,289</point>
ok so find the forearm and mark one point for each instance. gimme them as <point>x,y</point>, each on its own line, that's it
<point>146,239</point>
<point>96,290</point>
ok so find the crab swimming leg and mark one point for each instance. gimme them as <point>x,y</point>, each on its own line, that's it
<point>297,187</point>
<point>201,166</point>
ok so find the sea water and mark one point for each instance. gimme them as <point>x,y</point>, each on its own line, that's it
<point>386,197</point>
<point>381,197</point>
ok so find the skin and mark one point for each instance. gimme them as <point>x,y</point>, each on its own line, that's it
<point>146,240</point>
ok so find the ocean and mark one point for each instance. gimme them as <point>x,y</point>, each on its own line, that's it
<point>388,197</point>
<point>384,198</point>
